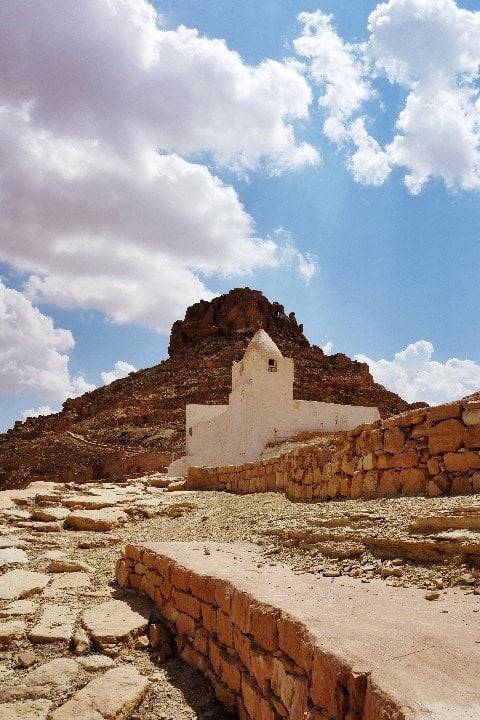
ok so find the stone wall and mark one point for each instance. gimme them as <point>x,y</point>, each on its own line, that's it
<point>263,663</point>
<point>429,451</point>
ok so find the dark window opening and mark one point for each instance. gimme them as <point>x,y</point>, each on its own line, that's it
<point>190,431</point>
<point>272,365</point>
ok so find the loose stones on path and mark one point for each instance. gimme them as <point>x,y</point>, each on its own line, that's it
<point>56,624</point>
<point>96,520</point>
<point>113,695</point>
<point>18,584</point>
<point>116,621</point>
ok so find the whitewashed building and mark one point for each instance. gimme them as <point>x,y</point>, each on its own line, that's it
<point>261,410</point>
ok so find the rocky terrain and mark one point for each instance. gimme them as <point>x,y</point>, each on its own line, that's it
<point>73,644</point>
<point>140,420</point>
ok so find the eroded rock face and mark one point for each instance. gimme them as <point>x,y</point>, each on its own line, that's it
<point>240,313</point>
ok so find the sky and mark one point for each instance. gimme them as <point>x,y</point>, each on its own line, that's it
<point>153,154</point>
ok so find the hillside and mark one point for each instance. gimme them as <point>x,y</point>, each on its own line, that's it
<point>138,422</point>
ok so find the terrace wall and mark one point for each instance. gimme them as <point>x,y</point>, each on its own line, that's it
<point>429,451</point>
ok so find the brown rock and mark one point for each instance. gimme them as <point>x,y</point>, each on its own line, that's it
<point>96,520</point>
<point>445,412</point>
<point>461,462</point>
<point>394,440</point>
<point>471,416</point>
<point>447,436</point>
<point>472,437</point>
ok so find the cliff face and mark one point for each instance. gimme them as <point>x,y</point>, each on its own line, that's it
<point>145,412</point>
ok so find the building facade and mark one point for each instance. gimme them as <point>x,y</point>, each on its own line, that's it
<point>261,410</point>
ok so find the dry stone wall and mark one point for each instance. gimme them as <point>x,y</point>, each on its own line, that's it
<point>263,664</point>
<point>428,451</point>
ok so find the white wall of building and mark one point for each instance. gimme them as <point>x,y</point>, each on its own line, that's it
<point>261,409</point>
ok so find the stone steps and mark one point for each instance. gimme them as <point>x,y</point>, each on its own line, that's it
<point>278,645</point>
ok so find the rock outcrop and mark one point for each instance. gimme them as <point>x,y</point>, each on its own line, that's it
<point>136,424</point>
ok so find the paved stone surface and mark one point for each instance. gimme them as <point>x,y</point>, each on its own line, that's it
<point>19,608</point>
<point>18,584</point>
<point>96,662</point>
<point>56,624</point>
<point>11,630</point>
<point>12,542</point>
<point>13,556</point>
<point>60,672</point>
<point>96,520</point>
<point>113,695</point>
<point>91,502</point>
<point>26,710</point>
<point>116,621</point>
<point>48,514</point>
<point>69,566</point>
<point>67,581</point>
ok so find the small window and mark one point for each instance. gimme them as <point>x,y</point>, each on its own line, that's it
<point>190,431</point>
<point>272,365</point>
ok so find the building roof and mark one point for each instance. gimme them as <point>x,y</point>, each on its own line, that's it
<point>263,343</point>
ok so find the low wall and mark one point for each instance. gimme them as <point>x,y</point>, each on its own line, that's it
<point>263,663</point>
<point>429,451</point>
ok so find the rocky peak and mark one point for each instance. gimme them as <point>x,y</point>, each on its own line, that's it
<point>238,314</point>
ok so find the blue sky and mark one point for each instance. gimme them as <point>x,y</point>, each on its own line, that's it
<point>393,268</point>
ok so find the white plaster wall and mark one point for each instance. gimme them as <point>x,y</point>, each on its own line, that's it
<point>261,410</point>
<point>201,413</point>
<point>309,416</point>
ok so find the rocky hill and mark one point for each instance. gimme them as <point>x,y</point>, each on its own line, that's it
<point>137,423</point>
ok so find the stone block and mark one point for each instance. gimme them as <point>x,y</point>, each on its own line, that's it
<point>295,642</point>
<point>394,441</point>
<point>186,603</point>
<point>445,412</point>
<point>447,436</point>
<point>413,481</point>
<point>472,437</point>
<point>224,628</point>
<point>185,624</point>
<point>462,461</point>
<point>240,611</point>
<point>209,617</point>
<point>264,627</point>
<point>471,416</point>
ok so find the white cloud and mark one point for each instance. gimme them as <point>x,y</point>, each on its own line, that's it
<point>413,374</point>
<point>37,412</point>
<point>328,347</point>
<point>336,66</point>
<point>120,370</point>
<point>431,48</point>
<point>33,352</point>
<point>98,104</point>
